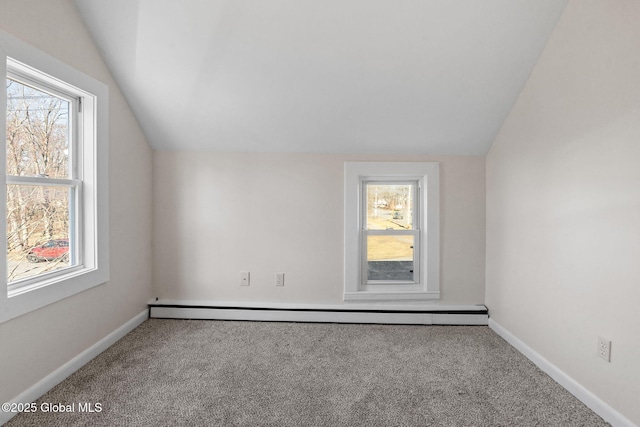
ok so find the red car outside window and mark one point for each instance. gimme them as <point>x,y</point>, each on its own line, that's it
<point>51,250</point>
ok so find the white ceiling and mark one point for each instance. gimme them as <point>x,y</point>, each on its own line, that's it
<point>404,76</point>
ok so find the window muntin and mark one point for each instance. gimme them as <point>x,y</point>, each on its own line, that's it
<point>391,232</point>
<point>43,187</point>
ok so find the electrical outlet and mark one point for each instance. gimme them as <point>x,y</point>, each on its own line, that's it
<point>279,279</point>
<point>604,349</point>
<point>244,278</point>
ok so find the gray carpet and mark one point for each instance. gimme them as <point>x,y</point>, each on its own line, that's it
<point>211,373</point>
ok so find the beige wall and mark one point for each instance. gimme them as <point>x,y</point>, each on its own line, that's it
<point>216,214</point>
<point>563,203</point>
<point>37,343</point>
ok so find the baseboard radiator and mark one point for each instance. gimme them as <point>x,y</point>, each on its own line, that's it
<point>439,315</point>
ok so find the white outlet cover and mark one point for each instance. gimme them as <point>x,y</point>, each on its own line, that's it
<point>604,349</point>
<point>244,278</point>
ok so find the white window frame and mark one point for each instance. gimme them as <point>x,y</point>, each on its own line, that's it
<point>23,74</point>
<point>415,231</point>
<point>21,59</point>
<point>427,257</point>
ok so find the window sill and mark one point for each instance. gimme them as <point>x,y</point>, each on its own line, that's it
<point>391,296</point>
<point>23,300</point>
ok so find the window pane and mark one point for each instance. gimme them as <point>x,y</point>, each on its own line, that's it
<point>38,129</point>
<point>390,257</point>
<point>390,206</point>
<point>38,225</point>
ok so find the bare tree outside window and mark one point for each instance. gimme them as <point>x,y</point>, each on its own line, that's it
<point>38,146</point>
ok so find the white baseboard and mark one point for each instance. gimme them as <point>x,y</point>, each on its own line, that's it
<point>592,401</point>
<point>410,314</point>
<point>56,377</point>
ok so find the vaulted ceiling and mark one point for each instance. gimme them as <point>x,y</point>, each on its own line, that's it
<point>404,76</point>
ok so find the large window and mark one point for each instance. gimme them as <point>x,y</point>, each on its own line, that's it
<point>55,203</point>
<point>391,231</point>
<point>43,181</point>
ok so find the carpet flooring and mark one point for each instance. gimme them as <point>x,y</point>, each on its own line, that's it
<point>227,373</point>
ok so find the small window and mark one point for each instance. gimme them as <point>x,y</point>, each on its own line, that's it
<point>56,197</point>
<point>391,231</point>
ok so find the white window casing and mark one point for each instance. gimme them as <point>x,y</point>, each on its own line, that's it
<point>88,181</point>
<point>426,229</point>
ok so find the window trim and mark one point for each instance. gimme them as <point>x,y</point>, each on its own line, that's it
<point>92,159</point>
<point>428,286</point>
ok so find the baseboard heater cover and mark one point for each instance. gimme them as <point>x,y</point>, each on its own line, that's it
<point>473,315</point>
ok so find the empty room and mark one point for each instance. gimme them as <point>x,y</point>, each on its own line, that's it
<point>291,213</point>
